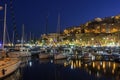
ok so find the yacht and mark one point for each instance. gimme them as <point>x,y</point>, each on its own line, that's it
<point>8,65</point>
<point>44,54</point>
<point>21,52</point>
<point>59,56</point>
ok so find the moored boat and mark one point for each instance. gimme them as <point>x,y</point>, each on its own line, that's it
<point>22,52</point>
<point>44,55</point>
<point>59,56</point>
<point>8,66</point>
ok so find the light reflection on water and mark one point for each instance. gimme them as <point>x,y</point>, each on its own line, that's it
<point>107,69</point>
<point>97,68</point>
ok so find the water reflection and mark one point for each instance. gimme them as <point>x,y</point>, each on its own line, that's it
<point>30,63</point>
<point>45,69</point>
<point>45,61</point>
<point>98,68</point>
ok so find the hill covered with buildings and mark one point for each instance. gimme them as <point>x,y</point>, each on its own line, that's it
<point>98,25</point>
<point>97,32</point>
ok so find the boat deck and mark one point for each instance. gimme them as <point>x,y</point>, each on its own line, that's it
<point>8,65</point>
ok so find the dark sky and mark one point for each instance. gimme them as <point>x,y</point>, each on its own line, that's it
<point>32,13</point>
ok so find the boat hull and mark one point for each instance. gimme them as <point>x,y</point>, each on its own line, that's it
<point>10,66</point>
<point>19,54</point>
<point>59,56</point>
<point>44,55</point>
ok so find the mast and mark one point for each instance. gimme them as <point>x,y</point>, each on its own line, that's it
<point>22,41</point>
<point>46,24</point>
<point>58,27</point>
<point>13,38</point>
<point>4,33</point>
<point>30,37</point>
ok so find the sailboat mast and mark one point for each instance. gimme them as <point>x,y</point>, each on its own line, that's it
<point>58,28</point>
<point>58,25</point>
<point>4,33</point>
<point>22,41</point>
<point>46,24</point>
<point>13,39</point>
<point>30,37</point>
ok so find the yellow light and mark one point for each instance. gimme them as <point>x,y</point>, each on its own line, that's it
<point>113,71</point>
<point>65,64</point>
<point>74,65</point>
<point>86,65</point>
<point>109,64</point>
<point>93,65</point>
<point>114,65</point>
<point>92,39</point>
<point>103,65</point>
<point>98,67</point>
<point>79,63</point>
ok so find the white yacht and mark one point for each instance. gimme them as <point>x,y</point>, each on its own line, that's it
<point>22,52</point>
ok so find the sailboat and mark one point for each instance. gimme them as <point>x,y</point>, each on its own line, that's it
<point>22,51</point>
<point>4,50</point>
<point>9,65</point>
<point>44,53</point>
<point>59,55</point>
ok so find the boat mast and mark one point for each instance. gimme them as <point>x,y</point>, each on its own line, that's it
<point>58,27</point>
<point>22,41</point>
<point>46,28</point>
<point>4,33</point>
<point>13,38</point>
<point>30,37</point>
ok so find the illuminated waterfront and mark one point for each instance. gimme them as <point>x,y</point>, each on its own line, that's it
<point>91,49</point>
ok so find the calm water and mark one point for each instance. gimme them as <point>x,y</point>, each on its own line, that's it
<point>36,69</point>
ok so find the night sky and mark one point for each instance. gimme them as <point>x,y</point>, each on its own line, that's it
<point>32,13</point>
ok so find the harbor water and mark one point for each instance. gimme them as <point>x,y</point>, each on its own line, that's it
<point>48,69</point>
